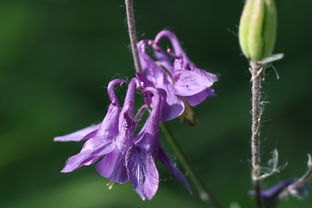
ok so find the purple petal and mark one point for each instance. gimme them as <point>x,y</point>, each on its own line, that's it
<point>79,135</point>
<point>99,145</point>
<point>151,70</point>
<point>111,91</point>
<point>113,167</point>
<point>148,137</point>
<point>142,172</point>
<point>109,125</point>
<point>86,156</point>
<point>163,58</point>
<point>173,107</point>
<point>200,97</point>
<point>188,83</point>
<point>113,164</point>
<point>154,75</point>
<point>162,156</point>
<point>128,106</point>
<point>140,158</point>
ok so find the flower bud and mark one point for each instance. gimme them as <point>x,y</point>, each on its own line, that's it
<point>257,29</point>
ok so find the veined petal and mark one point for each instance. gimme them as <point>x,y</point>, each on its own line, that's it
<point>86,157</point>
<point>162,156</point>
<point>100,142</point>
<point>80,135</point>
<point>113,167</point>
<point>188,83</point>
<point>142,172</point>
<point>109,126</point>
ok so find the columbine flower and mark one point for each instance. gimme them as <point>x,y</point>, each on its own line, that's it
<point>181,80</point>
<point>122,154</point>
<point>141,156</point>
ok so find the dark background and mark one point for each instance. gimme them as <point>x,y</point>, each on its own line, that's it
<point>57,56</point>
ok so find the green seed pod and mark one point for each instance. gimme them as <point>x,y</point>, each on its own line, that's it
<point>257,29</point>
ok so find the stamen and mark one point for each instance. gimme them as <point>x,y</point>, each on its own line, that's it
<point>110,185</point>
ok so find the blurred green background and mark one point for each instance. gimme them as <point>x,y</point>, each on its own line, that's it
<point>57,56</point>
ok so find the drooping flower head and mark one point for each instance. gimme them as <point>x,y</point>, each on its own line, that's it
<point>170,83</point>
<point>181,80</point>
<point>123,155</point>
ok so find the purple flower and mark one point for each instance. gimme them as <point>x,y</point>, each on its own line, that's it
<point>140,160</point>
<point>122,154</point>
<point>154,76</point>
<point>181,80</point>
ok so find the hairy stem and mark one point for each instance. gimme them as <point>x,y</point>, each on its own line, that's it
<point>204,194</point>
<point>132,35</point>
<point>256,78</point>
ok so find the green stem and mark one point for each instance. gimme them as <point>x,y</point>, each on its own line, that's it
<point>204,194</point>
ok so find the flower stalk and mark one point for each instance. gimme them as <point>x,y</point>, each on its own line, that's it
<point>257,34</point>
<point>132,34</point>
<point>204,194</point>
<point>256,78</point>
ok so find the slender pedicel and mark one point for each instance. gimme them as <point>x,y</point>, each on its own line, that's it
<point>133,35</point>
<point>204,194</point>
